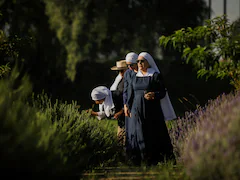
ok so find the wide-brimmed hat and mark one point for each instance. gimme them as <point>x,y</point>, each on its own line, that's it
<point>120,65</point>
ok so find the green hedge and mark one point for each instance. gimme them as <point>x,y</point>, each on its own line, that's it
<point>51,139</point>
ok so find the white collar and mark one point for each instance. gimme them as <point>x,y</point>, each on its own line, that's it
<point>150,72</point>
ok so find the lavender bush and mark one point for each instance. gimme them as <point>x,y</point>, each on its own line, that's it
<point>181,128</point>
<point>209,142</point>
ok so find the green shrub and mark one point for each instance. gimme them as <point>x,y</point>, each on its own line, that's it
<point>39,137</point>
<point>25,132</point>
<point>86,141</point>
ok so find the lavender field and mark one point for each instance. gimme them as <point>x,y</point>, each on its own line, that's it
<point>207,140</point>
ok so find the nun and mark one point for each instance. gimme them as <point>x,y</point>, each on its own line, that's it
<point>102,96</point>
<point>149,106</point>
<point>131,61</point>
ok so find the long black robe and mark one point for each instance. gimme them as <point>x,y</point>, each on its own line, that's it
<point>128,76</point>
<point>147,132</point>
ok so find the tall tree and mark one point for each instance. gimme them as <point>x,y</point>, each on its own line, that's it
<point>90,30</point>
<point>85,32</point>
<point>43,58</point>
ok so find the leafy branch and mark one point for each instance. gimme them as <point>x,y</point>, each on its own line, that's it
<point>212,48</point>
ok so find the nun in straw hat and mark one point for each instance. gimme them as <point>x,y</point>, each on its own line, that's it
<point>117,94</point>
<point>150,106</point>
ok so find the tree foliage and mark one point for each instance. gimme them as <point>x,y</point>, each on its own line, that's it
<point>93,30</point>
<point>8,51</point>
<point>107,31</point>
<point>212,48</point>
<point>4,50</point>
<point>41,55</point>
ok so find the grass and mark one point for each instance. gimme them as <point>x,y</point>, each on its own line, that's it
<point>166,171</point>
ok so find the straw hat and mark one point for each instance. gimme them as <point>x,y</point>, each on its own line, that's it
<point>120,65</point>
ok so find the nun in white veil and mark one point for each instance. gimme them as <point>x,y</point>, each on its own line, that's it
<point>149,140</point>
<point>103,97</point>
<point>166,104</point>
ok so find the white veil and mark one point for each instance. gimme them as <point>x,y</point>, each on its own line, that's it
<point>102,92</point>
<point>166,104</point>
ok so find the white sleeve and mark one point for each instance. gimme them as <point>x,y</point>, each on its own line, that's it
<point>101,115</point>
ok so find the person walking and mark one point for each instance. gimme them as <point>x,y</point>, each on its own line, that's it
<point>117,94</point>
<point>149,106</point>
<point>131,60</point>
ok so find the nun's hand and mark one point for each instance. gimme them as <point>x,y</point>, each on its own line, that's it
<point>149,96</point>
<point>118,114</point>
<point>126,111</point>
<point>91,112</point>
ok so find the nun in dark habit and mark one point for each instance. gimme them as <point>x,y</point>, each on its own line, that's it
<point>149,106</point>
<point>131,60</point>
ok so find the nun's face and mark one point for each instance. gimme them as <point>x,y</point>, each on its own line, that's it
<point>99,101</point>
<point>132,66</point>
<point>142,63</point>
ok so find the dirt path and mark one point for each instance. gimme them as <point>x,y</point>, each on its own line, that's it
<point>135,173</point>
